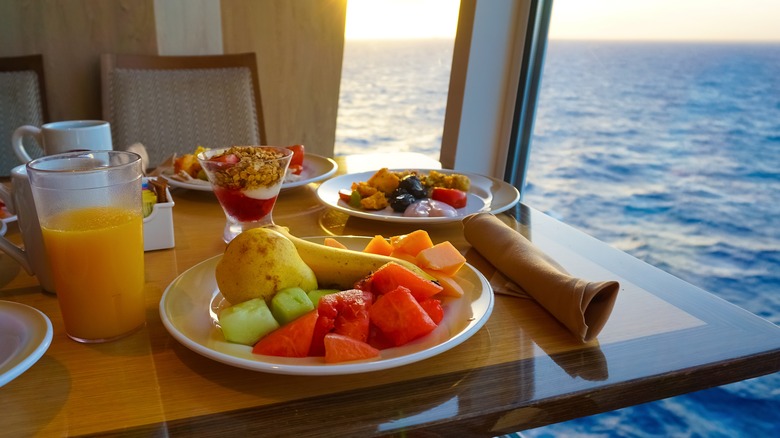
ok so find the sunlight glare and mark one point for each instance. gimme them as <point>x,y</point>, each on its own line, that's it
<point>671,20</point>
<point>401,19</point>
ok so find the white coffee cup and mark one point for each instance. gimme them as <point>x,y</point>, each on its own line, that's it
<point>33,257</point>
<point>58,137</point>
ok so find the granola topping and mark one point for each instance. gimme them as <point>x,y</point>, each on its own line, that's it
<point>254,167</point>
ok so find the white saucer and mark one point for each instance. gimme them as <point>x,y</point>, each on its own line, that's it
<point>25,334</point>
<point>315,168</point>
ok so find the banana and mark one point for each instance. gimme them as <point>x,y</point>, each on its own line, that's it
<point>341,268</point>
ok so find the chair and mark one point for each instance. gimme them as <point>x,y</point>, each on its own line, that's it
<point>172,104</point>
<point>22,102</point>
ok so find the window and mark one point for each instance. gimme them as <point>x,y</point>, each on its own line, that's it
<point>395,76</point>
<point>660,134</point>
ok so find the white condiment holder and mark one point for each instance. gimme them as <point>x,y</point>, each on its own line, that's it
<point>158,226</point>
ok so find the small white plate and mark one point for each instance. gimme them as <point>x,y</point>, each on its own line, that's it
<point>25,334</point>
<point>486,194</point>
<point>188,311</point>
<point>315,168</point>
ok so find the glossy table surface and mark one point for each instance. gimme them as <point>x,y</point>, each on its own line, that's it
<point>521,370</point>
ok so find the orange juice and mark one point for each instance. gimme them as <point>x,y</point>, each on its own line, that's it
<point>97,261</point>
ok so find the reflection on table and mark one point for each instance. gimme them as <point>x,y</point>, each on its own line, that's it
<point>521,370</point>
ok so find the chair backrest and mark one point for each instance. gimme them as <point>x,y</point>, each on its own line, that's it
<point>22,102</point>
<point>172,104</point>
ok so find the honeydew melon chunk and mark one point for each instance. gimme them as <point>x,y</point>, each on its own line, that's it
<point>247,322</point>
<point>316,294</point>
<point>290,303</point>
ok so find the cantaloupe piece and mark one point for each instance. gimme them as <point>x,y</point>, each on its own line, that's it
<point>379,245</point>
<point>442,257</point>
<point>329,241</point>
<point>450,286</point>
<point>400,254</point>
<point>413,242</point>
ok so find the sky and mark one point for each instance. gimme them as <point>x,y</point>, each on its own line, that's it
<point>401,19</point>
<point>680,20</point>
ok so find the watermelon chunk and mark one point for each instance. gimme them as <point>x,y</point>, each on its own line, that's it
<point>399,317</point>
<point>322,327</point>
<point>433,308</point>
<point>291,340</point>
<point>345,313</point>
<point>391,275</point>
<point>340,348</point>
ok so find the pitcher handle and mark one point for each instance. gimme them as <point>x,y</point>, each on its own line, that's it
<point>18,136</point>
<point>8,247</point>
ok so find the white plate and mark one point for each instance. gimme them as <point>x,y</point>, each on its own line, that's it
<point>25,334</point>
<point>485,194</point>
<point>315,168</point>
<point>188,311</point>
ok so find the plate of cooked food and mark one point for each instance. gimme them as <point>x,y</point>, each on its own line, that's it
<point>417,195</point>
<point>184,171</point>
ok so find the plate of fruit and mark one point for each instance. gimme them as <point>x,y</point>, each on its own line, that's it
<point>327,305</point>
<point>416,196</point>
<point>185,172</point>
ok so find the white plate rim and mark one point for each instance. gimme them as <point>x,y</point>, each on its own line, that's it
<point>216,348</point>
<point>323,167</point>
<point>500,197</point>
<point>36,338</point>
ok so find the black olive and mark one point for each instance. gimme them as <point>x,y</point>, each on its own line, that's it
<point>412,184</point>
<point>400,201</point>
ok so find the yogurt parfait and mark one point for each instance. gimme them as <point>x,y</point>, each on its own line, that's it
<point>246,181</point>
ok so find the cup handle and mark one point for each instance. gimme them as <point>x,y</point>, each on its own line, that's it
<point>16,141</point>
<point>8,247</point>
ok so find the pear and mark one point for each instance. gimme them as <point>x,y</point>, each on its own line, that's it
<point>259,262</point>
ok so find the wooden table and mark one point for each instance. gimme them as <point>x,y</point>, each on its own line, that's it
<point>521,370</point>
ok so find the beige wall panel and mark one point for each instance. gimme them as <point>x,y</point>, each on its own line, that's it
<point>299,46</point>
<point>18,27</point>
<point>71,35</point>
<point>188,27</point>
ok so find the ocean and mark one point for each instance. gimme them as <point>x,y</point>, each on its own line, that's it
<point>667,151</point>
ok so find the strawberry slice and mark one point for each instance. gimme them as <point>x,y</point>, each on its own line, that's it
<point>226,158</point>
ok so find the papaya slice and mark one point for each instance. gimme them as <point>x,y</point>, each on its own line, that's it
<point>413,242</point>
<point>442,257</point>
<point>450,286</point>
<point>391,275</point>
<point>379,245</point>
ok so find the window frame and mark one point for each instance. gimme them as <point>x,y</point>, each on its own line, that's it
<point>489,117</point>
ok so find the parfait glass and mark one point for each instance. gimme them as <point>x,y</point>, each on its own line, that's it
<point>246,181</point>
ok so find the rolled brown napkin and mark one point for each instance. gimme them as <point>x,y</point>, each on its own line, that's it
<point>582,306</point>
